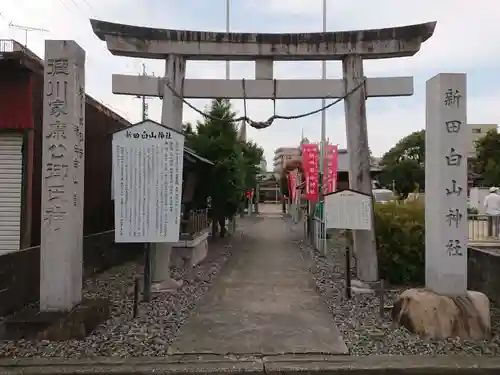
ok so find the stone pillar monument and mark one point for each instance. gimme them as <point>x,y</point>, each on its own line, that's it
<point>445,308</point>
<point>446,222</point>
<point>61,255</point>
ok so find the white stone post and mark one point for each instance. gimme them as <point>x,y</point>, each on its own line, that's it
<point>61,254</point>
<point>171,116</point>
<point>446,222</point>
<point>359,162</point>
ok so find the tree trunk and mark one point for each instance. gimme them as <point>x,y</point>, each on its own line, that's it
<point>214,228</point>
<point>222,225</point>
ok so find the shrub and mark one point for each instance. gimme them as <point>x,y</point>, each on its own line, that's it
<point>400,230</point>
<point>472,211</point>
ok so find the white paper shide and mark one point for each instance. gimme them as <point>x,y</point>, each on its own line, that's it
<point>348,209</point>
<point>147,178</point>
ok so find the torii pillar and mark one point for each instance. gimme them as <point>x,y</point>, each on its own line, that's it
<point>171,115</point>
<point>350,47</point>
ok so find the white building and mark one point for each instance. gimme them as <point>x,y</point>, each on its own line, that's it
<point>263,165</point>
<point>478,131</point>
<point>282,155</point>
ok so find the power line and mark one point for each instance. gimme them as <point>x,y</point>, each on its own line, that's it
<point>88,5</point>
<point>75,4</point>
<point>26,30</point>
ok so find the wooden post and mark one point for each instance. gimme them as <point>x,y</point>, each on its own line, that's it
<point>359,162</point>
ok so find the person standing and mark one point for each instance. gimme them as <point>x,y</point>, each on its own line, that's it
<point>492,206</point>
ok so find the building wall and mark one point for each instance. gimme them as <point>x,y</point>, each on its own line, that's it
<point>15,97</point>
<point>282,155</point>
<point>478,131</point>
<point>21,103</point>
<point>263,165</point>
<point>16,115</point>
<point>98,215</point>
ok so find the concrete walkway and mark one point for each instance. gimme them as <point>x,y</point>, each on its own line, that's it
<point>264,301</point>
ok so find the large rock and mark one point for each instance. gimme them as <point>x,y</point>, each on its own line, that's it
<point>435,316</point>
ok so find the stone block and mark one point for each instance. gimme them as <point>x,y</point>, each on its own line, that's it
<point>78,323</point>
<point>189,253</point>
<point>435,316</point>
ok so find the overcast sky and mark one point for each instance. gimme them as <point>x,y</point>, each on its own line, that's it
<point>466,40</point>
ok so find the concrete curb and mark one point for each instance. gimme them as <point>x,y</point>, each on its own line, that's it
<point>175,364</point>
<point>258,364</point>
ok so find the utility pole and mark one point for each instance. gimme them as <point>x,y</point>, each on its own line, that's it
<point>228,28</point>
<point>322,148</point>
<point>143,97</point>
<point>26,30</point>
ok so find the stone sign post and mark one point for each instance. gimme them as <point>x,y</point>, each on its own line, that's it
<point>61,254</point>
<point>446,222</point>
<point>445,308</point>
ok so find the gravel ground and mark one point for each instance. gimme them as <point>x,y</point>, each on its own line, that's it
<point>151,333</point>
<point>364,332</point>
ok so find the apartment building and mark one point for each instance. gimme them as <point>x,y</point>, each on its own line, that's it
<point>283,155</point>
<point>478,131</point>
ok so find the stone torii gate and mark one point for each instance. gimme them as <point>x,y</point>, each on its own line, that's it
<point>350,47</point>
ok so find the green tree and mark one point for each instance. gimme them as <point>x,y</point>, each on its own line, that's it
<point>486,163</point>
<point>187,129</point>
<point>284,191</point>
<point>234,170</point>
<point>403,165</point>
<point>253,154</point>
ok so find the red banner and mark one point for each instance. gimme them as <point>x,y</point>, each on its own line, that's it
<point>292,185</point>
<point>310,154</point>
<point>331,168</point>
<point>16,100</point>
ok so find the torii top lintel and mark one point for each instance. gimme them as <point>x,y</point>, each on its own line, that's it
<point>153,43</point>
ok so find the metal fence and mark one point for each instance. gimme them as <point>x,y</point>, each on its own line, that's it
<point>196,222</point>
<point>484,228</point>
<point>10,46</point>
<point>315,233</point>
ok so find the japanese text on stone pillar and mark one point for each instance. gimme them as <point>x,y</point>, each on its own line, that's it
<point>454,160</point>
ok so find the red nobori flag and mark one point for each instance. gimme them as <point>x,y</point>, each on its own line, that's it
<point>310,154</point>
<point>331,168</point>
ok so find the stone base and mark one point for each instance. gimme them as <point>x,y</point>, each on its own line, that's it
<point>190,253</point>
<point>362,287</point>
<point>435,316</point>
<point>31,324</point>
<point>166,286</point>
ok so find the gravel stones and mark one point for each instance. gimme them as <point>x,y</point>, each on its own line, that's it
<point>364,332</point>
<point>150,333</point>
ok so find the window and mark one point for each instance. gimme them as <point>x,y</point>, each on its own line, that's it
<point>476,130</point>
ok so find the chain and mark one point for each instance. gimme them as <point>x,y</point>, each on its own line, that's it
<point>270,120</point>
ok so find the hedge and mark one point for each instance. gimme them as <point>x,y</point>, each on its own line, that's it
<point>400,231</point>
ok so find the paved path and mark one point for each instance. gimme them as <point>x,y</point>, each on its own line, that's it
<point>264,301</point>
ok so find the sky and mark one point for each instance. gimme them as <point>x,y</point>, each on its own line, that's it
<point>466,40</point>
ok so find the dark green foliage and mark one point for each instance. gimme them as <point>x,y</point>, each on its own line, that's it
<point>403,165</point>
<point>400,230</point>
<point>486,164</point>
<point>234,170</point>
